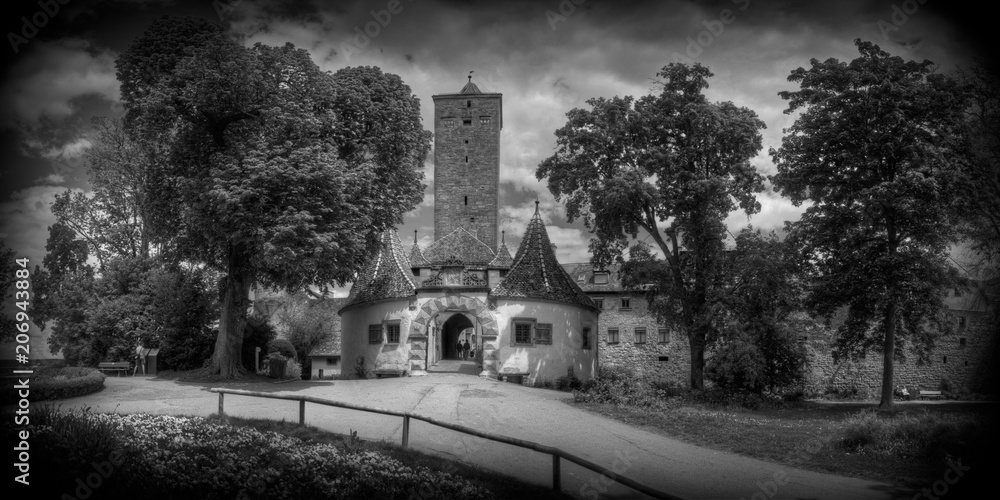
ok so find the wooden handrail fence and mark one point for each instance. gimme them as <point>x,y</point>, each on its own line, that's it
<point>556,453</point>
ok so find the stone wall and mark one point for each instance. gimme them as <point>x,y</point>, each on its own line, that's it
<point>959,361</point>
<point>964,359</point>
<point>670,360</point>
<point>467,164</point>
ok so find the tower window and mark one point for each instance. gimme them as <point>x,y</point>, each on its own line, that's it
<point>484,120</point>
<point>466,200</point>
<point>468,104</point>
<point>472,219</point>
<point>961,341</point>
<point>467,123</point>
<point>466,159</point>
<point>466,141</point>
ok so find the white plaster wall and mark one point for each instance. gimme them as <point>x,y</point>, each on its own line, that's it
<point>354,335</point>
<point>322,363</point>
<point>548,362</point>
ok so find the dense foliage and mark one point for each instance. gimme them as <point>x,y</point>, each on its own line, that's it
<point>876,151</point>
<point>62,383</point>
<point>673,165</point>
<point>196,459</point>
<point>276,173</point>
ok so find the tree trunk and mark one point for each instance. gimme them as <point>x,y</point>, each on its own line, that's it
<point>227,357</point>
<point>697,338</point>
<point>887,361</point>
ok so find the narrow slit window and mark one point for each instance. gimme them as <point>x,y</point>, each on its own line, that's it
<point>466,200</point>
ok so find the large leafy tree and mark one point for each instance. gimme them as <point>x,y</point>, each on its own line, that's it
<point>759,345</point>
<point>112,218</point>
<point>673,165</point>
<point>982,215</point>
<point>874,151</point>
<point>262,182</point>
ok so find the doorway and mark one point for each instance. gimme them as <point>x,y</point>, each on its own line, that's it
<point>458,328</point>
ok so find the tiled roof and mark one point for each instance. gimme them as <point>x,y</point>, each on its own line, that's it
<point>331,343</point>
<point>503,258</point>
<point>590,283</point>
<point>470,88</point>
<point>386,275</point>
<point>416,256</point>
<point>459,245</point>
<point>536,273</point>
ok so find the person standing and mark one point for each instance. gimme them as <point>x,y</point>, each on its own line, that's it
<point>459,349</point>
<point>465,350</point>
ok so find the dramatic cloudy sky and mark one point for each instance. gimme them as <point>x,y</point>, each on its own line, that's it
<point>546,57</point>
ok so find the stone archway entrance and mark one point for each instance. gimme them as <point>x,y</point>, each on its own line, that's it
<point>424,350</point>
<point>456,329</point>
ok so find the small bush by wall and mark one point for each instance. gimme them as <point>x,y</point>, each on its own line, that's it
<point>282,346</point>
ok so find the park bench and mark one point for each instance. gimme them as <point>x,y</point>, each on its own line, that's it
<point>931,394</point>
<point>119,367</point>
<point>513,376</point>
<point>389,372</point>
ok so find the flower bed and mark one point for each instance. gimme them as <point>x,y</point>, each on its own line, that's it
<point>187,457</point>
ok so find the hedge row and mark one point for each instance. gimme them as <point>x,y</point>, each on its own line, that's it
<point>62,383</point>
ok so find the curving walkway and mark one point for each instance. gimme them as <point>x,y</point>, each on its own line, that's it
<point>538,415</point>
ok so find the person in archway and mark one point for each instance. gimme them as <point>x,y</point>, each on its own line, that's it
<point>465,349</point>
<point>459,348</point>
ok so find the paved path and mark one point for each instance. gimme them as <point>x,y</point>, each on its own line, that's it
<point>538,415</point>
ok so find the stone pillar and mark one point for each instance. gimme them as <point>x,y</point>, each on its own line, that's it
<point>418,354</point>
<point>489,355</point>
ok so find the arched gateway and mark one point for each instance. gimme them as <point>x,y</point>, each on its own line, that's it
<point>428,336</point>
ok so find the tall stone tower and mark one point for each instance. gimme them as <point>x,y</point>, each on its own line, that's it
<point>467,162</point>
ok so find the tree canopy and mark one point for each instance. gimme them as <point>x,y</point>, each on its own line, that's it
<point>875,151</point>
<point>278,174</point>
<point>672,164</point>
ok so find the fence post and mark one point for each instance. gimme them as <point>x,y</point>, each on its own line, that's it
<point>302,412</point>
<point>406,431</point>
<point>556,479</point>
<point>221,396</point>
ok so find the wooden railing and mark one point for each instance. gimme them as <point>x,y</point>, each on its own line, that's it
<point>557,454</point>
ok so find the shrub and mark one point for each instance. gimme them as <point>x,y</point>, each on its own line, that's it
<point>360,370</point>
<point>257,333</point>
<point>903,435</point>
<point>618,386</point>
<point>568,383</point>
<point>293,369</point>
<point>188,351</point>
<point>61,383</point>
<point>282,346</point>
<point>197,459</point>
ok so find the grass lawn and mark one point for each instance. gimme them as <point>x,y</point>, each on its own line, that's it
<point>502,486</point>
<point>809,435</point>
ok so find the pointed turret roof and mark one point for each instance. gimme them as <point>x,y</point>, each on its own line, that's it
<point>416,256</point>
<point>503,258</point>
<point>386,275</point>
<point>459,246</point>
<point>536,273</point>
<point>470,88</point>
